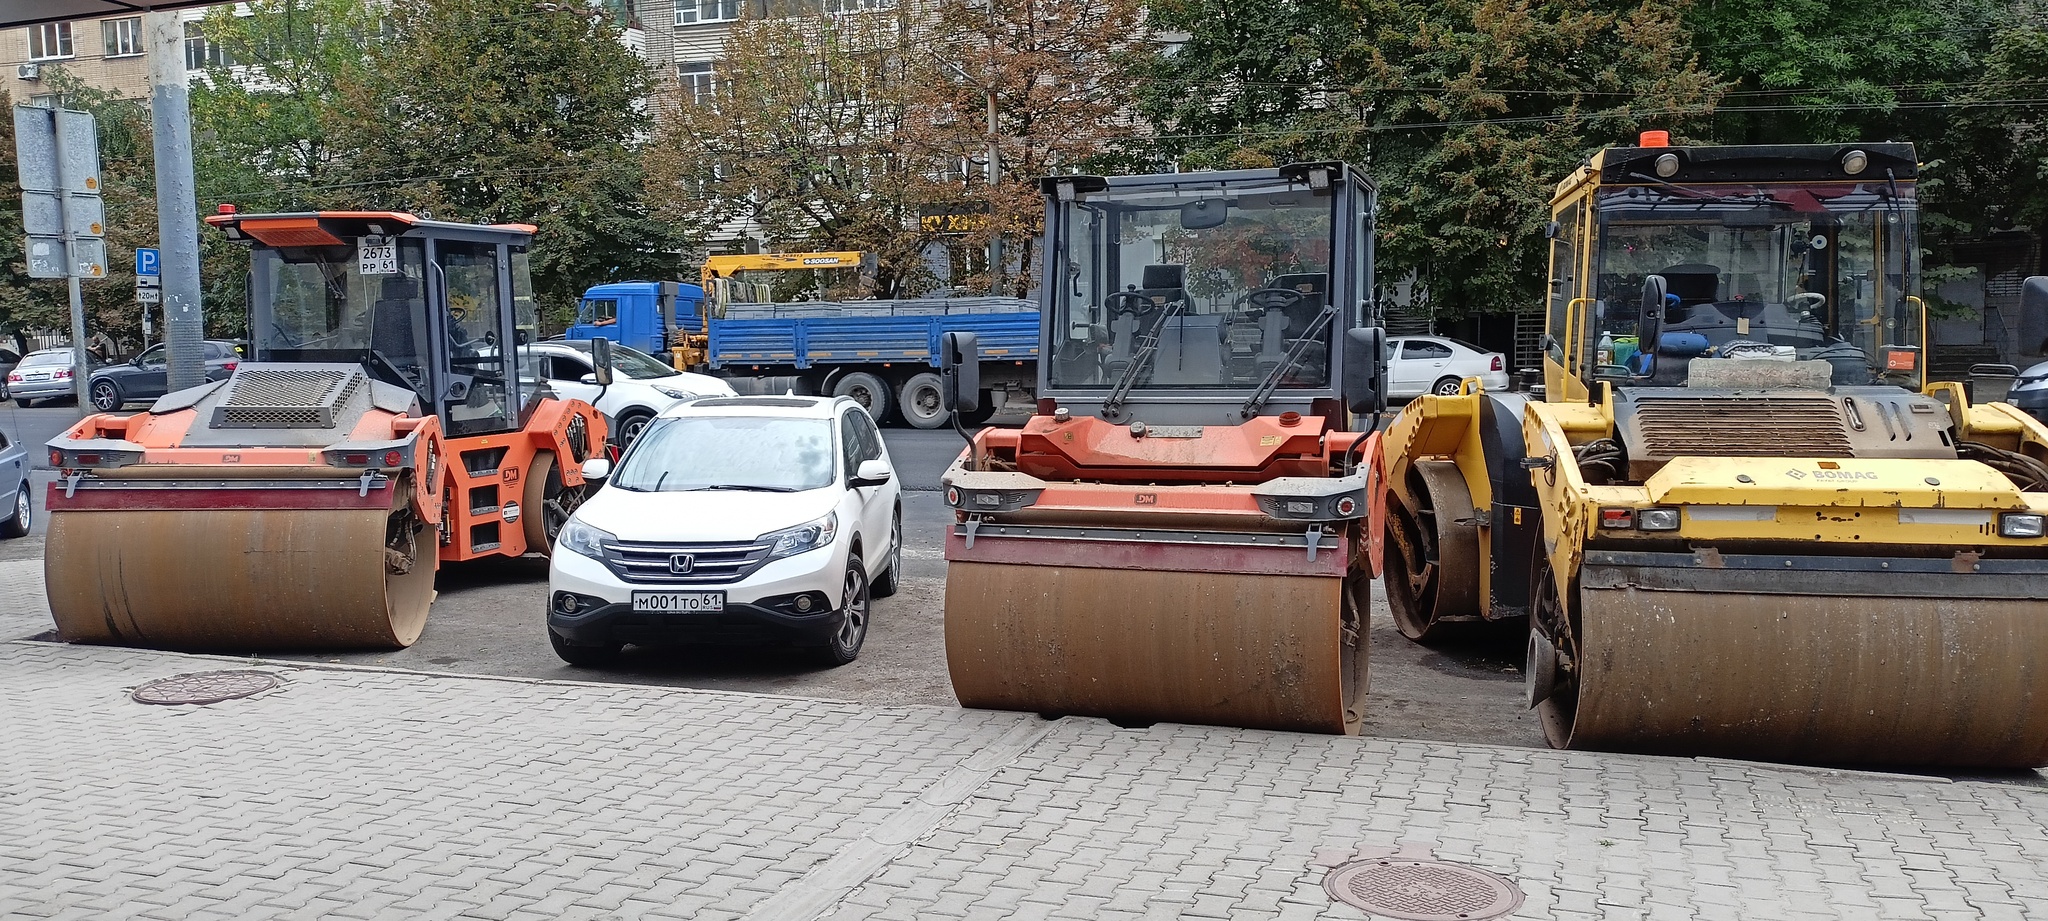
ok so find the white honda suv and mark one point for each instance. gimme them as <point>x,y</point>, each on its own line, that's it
<point>732,520</point>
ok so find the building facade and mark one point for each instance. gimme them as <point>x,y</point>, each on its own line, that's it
<point>109,53</point>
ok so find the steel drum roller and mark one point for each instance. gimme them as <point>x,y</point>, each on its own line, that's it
<point>1816,678</point>
<point>236,579</point>
<point>1267,652</point>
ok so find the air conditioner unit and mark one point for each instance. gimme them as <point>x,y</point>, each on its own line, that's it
<point>29,71</point>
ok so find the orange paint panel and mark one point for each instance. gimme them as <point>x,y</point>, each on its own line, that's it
<point>288,231</point>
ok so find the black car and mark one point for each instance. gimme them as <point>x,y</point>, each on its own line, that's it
<point>146,376</point>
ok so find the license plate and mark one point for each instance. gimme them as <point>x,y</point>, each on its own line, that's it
<point>679,602</point>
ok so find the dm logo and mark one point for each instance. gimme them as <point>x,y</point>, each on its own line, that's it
<point>1145,498</point>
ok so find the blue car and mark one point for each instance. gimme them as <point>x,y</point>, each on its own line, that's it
<point>14,488</point>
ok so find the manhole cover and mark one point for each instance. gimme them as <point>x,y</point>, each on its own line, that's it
<point>1422,890</point>
<point>204,687</point>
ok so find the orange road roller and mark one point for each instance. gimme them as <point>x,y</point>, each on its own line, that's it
<point>386,422</point>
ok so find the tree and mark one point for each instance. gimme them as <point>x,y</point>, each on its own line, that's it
<point>1466,112</point>
<point>800,133</point>
<point>1058,73</point>
<point>128,192</point>
<point>508,111</point>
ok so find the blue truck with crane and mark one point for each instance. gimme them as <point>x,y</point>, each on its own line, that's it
<point>883,353</point>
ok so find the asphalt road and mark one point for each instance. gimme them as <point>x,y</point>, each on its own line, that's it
<point>487,620</point>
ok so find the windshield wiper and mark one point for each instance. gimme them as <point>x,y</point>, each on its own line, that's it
<point>1756,199</point>
<point>1146,346</point>
<point>748,488</point>
<point>1295,353</point>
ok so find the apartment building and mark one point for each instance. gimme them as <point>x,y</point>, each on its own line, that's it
<point>108,53</point>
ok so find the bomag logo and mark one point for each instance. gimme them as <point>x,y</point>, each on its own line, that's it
<point>1832,474</point>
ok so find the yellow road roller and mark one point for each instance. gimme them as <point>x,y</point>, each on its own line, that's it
<point>1183,531</point>
<point>1739,520</point>
<point>385,423</point>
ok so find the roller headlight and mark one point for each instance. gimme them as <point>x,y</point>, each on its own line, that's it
<point>804,537</point>
<point>584,540</point>
<point>1657,519</point>
<point>2021,524</point>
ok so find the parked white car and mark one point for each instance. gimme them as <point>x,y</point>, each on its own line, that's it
<point>732,520</point>
<point>642,386</point>
<point>1434,364</point>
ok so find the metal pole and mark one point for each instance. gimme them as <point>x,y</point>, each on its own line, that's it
<point>177,210</point>
<point>81,368</point>
<point>995,178</point>
<point>995,165</point>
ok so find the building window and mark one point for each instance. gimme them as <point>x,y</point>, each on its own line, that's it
<point>200,53</point>
<point>699,81</point>
<point>124,36</point>
<point>857,6</point>
<point>693,12</point>
<point>50,100</point>
<point>49,40</point>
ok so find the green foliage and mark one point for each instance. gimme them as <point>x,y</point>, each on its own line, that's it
<point>128,191</point>
<point>506,111</point>
<point>1467,113</point>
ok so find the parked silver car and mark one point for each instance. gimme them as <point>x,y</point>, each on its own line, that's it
<point>16,507</point>
<point>41,375</point>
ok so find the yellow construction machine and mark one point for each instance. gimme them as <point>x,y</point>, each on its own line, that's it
<point>1740,521</point>
<point>1184,529</point>
<point>720,277</point>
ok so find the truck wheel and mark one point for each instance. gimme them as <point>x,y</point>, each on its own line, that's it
<point>922,401</point>
<point>867,390</point>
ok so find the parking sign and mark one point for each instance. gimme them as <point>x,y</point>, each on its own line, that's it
<point>146,262</point>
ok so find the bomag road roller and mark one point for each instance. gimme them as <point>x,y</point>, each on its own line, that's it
<point>1180,532</point>
<point>1739,520</point>
<point>386,421</point>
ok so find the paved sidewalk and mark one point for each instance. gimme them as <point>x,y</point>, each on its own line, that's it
<point>24,604</point>
<point>374,794</point>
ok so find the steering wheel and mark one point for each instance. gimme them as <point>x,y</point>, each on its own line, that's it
<point>458,314</point>
<point>1127,303</point>
<point>1812,301</point>
<point>1264,299</point>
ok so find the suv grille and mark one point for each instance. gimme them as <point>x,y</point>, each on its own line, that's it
<point>709,564</point>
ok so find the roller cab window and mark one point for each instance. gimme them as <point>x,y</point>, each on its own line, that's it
<point>319,306</point>
<point>1812,272</point>
<point>1196,286</point>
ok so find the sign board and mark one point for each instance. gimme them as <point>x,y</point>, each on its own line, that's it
<point>57,157</point>
<point>955,217</point>
<point>376,256</point>
<point>149,295</point>
<point>147,263</point>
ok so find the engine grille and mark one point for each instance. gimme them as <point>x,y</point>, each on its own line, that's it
<point>286,397</point>
<point>708,564</point>
<point>1740,426</point>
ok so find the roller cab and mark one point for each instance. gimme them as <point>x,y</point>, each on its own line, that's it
<point>1739,520</point>
<point>1182,532</point>
<point>385,423</point>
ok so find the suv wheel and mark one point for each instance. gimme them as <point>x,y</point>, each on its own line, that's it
<point>844,646</point>
<point>892,572</point>
<point>106,396</point>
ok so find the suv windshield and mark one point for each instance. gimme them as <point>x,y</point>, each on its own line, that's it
<point>1192,286</point>
<point>1823,272</point>
<point>729,452</point>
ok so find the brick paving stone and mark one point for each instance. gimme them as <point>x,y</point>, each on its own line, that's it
<point>359,793</point>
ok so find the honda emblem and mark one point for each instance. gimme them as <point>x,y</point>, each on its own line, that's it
<point>681,563</point>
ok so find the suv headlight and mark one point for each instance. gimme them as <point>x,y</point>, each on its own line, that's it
<point>673,393</point>
<point>803,537</point>
<point>583,539</point>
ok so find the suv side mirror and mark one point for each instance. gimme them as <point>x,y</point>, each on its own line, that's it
<point>1365,369</point>
<point>870,473</point>
<point>597,468</point>
<point>601,359</point>
<point>960,370</point>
